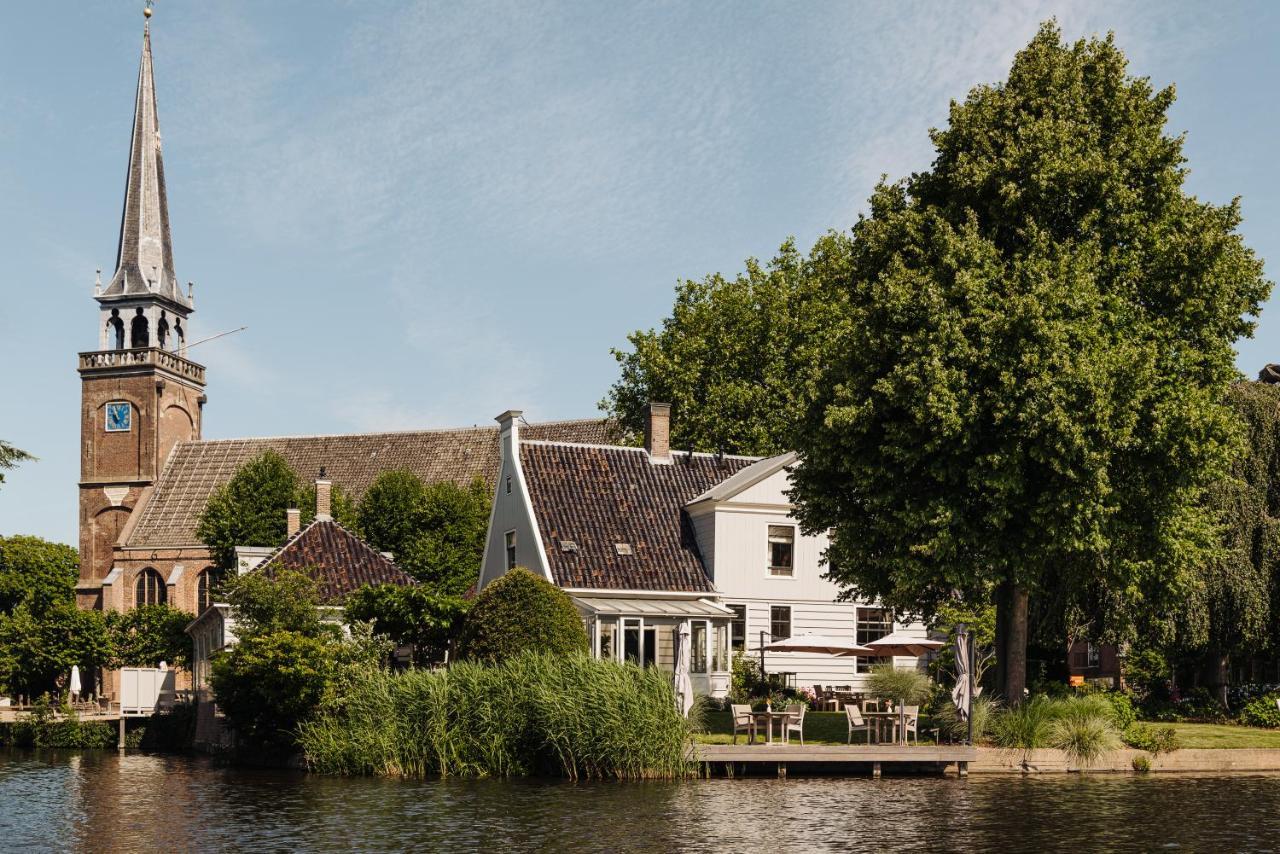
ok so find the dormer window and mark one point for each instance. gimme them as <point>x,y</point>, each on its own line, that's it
<point>782,546</point>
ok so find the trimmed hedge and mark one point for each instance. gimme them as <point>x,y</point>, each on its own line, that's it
<point>521,612</point>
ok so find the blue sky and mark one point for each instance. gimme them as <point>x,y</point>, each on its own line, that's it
<point>427,213</point>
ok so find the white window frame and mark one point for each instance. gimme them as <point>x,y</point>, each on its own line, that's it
<point>791,621</point>
<point>509,542</point>
<point>863,664</point>
<point>768,539</point>
<point>746,633</point>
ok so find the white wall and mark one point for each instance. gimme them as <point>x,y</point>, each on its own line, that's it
<point>511,511</point>
<point>733,536</point>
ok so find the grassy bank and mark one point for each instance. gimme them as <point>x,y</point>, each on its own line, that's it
<point>1225,736</point>
<point>532,715</point>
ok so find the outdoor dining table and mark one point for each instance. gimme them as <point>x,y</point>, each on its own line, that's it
<point>767,718</point>
<point>882,717</point>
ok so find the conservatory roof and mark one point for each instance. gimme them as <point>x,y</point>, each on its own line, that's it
<point>604,606</point>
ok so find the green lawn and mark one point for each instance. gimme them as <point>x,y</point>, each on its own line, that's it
<point>1224,735</point>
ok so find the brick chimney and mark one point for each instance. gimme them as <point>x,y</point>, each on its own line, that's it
<point>657,438</point>
<point>324,498</point>
<point>293,522</point>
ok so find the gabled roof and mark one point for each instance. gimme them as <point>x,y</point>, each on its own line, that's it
<point>195,469</point>
<point>747,478</point>
<point>340,561</point>
<point>599,497</point>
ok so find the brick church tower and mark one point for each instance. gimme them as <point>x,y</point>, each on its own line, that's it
<point>140,395</point>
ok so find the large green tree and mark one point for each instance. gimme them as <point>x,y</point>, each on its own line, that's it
<point>149,634</point>
<point>415,616</point>
<point>1026,386</point>
<point>435,531</point>
<point>737,357</point>
<point>249,509</point>
<point>36,572</point>
<point>10,457</point>
<point>521,611</point>
<point>1234,608</point>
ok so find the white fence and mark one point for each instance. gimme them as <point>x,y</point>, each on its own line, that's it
<point>144,688</point>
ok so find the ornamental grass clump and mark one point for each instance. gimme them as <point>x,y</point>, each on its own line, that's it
<point>1084,728</point>
<point>908,686</point>
<point>530,714</point>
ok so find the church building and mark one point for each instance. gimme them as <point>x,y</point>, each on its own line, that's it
<point>146,473</point>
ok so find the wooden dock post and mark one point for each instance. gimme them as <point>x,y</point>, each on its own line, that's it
<point>782,770</point>
<point>962,768</point>
<point>120,742</point>
<point>875,770</point>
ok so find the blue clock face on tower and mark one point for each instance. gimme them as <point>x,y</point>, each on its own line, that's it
<point>118,417</point>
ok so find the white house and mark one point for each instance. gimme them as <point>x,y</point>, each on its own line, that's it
<point>644,539</point>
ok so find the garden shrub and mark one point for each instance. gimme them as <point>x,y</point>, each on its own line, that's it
<point>1154,740</point>
<point>948,718</point>
<point>1262,712</point>
<point>1141,764</point>
<point>521,612</point>
<point>68,732</point>
<point>1122,709</point>
<point>1083,727</point>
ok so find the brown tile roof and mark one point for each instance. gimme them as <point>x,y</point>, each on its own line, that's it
<point>195,469</point>
<point>597,497</point>
<point>339,560</point>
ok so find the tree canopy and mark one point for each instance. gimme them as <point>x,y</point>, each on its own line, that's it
<point>249,509</point>
<point>416,616</point>
<point>436,532</point>
<point>517,612</point>
<point>36,572</point>
<point>10,457</point>
<point>1025,387</point>
<point>737,357</point>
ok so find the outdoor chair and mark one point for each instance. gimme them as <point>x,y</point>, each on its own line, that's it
<point>857,722</point>
<point>743,721</point>
<point>795,722</point>
<point>911,715</point>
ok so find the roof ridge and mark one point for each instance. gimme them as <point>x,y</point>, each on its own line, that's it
<point>417,432</point>
<point>707,454</point>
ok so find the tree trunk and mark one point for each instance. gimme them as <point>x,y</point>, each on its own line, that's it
<point>1216,674</point>
<point>1011,642</point>
<point>1002,637</point>
<point>1016,647</point>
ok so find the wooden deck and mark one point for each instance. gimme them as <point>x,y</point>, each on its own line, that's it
<point>876,756</point>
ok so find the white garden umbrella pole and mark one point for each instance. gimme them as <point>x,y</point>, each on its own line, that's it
<point>683,684</point>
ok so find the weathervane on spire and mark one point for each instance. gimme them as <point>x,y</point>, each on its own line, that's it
<point>146,9</point>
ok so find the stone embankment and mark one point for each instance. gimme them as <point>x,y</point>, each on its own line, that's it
<point>992,760</point>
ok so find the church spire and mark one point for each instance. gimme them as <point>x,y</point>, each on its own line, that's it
<point>144,259</point>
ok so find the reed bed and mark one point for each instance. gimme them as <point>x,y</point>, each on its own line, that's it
<point>533,714</point>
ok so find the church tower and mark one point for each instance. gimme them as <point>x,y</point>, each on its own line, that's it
<point>140,394</point>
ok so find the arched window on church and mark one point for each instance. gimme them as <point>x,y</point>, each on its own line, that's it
<point>150,589</point>
<point>138,336</point>
<point>162,331</point>
<point>209,580</point>
<point>115,329</point>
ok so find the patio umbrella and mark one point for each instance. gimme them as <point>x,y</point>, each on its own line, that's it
<point>819,644</point>
<point>900,643</point>
<point>683,685</point>
<point>961,695</point>
<point>75,680</point>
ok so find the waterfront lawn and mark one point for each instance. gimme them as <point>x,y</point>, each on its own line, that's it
<point>819,728</point>
<point>1224,735</point>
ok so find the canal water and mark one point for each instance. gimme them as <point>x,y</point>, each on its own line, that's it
<point>104,802</point>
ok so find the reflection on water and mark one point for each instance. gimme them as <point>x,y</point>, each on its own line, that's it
<point>105,802</point>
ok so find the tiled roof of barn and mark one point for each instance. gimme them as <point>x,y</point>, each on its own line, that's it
<point>339,560</point>
<point>598,497</point>
<point>195,469</point>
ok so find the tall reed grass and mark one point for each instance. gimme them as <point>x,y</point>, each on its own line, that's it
<point>533,714</point>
